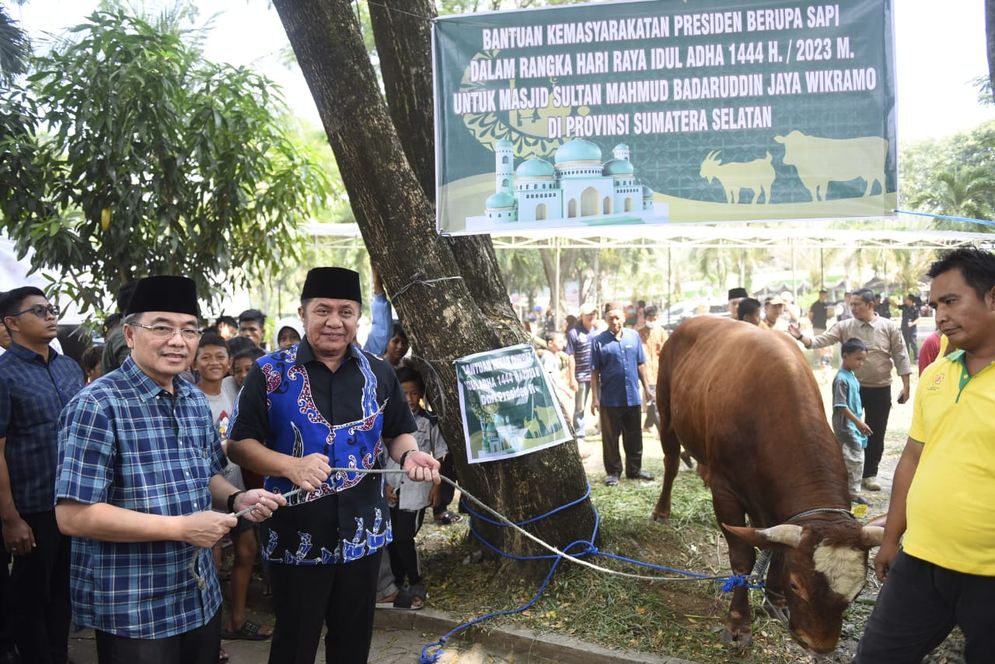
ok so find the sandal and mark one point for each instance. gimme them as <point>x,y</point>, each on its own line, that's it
<point>447,518</point>
<point>249,631</point>
<point>222,656</point>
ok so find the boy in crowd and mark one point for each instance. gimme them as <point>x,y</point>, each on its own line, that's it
<point>409,499</point>
<point>848,412</point>
<point>212,364</point>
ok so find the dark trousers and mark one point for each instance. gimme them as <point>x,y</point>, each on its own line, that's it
<point>6,602</point>
<point>918,606</point>
<point>341,597</point>
<point>198,646</point>
<point>877,407</point>
<point>622,420</point>
<point>446,490</point>
<point>40,583</point>
<point>911,343</point>
<point>403,556</point>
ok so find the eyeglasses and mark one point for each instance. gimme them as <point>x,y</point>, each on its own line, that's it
<point>166,332</point>
<point>40,310</point>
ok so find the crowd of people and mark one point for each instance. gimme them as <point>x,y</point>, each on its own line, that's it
<point>121,475</point>
<point>121,478</point>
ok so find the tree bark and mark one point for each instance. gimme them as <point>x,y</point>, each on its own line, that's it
<point>403,35</point>
<point>398,225</point>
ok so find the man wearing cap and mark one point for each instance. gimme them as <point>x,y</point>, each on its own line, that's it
<point>773,308</point>
<point>36,382</point>
<point>885,349</point>
<point>736,295</point>
<point>579,347</point>
<point>139,473</point>
<point>320,405</point>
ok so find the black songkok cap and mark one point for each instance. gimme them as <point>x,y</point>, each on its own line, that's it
<point>177,295</point>
<point>737,292</point>
<point>335,283</point>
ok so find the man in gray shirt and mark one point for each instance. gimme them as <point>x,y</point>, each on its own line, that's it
<point>885,349</point>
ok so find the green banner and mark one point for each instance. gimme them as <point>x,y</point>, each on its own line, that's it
<point>508,405</point>
<point>664,112</point>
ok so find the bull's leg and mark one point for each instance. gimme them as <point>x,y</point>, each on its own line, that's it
<point>738,627</point>
<point>671,462</point>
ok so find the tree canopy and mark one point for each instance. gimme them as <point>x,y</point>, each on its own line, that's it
<point>131,154</point>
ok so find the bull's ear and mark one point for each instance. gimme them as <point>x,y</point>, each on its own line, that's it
<point>763,538</point>
<point>871,536</point>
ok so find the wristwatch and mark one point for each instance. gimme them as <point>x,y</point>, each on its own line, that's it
<point>231,500</point>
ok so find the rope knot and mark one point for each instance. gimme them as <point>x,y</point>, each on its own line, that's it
<point>735,581</point>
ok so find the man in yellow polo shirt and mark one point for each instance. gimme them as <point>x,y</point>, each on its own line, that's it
<point>943,496</point>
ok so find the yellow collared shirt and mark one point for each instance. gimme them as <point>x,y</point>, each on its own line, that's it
<point>951,502</point>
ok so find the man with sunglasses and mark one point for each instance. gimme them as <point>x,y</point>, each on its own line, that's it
<point>36,382</point>
<point>139,473</point>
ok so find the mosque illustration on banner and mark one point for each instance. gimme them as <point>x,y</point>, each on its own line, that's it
<point>576,187</point>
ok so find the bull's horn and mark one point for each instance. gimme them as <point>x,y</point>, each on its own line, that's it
<point>711,155</point>
<point>779,139</point>
<point>786,533</point>
<point>871,536</point>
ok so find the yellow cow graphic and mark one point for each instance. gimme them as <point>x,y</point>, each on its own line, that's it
<point>820,161</point>
<point>756,175</point>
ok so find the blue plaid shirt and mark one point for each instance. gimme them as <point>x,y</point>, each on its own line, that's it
<point>127,442</point>
<point>32,393</point>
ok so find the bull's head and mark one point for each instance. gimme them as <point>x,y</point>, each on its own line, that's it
<point>710,166</point>
<point>793,138</point>
<point>819,570</point>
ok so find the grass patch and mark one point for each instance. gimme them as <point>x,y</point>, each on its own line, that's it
<point>677,619</point>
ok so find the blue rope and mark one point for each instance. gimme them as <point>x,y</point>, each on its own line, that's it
<point>970,220</point>
<point>431,652</point>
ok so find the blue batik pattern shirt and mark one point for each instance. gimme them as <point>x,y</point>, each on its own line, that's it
<point>127,442</point>
<point>32,394</point>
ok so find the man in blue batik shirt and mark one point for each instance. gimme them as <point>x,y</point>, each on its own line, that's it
<point>325,404</point>
<point>35,383</point>
<point>137,484</point>
<point>618,367</point>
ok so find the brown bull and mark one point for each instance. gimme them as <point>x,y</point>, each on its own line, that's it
<point>743,401</point>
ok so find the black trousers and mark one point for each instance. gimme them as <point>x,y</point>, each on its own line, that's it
<point>918,606</point>
<point>40,583</point>
<point>403,556</point>
<point>341,597</point>
<point>198,646</point>
<point>446,490</point>
<point>624,421</point>
<point>911,343</point>
<point>6,602</point>
<point>877,407</point>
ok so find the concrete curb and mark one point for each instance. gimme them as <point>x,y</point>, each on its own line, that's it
<point>519,641</point>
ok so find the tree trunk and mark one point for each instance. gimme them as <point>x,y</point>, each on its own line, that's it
<point>404,46</point>
<point>398,225</point>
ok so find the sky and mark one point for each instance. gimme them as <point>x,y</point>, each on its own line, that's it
<point>940,48</point>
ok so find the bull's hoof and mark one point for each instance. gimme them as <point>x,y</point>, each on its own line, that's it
<point>660,517</point>
<point>739,640</point>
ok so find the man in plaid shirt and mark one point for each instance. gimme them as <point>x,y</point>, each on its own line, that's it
<point>35,383</point>
<point>138,478</point>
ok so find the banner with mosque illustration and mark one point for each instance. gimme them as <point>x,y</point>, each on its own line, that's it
<point>659,112</point>
<point>508,406</point>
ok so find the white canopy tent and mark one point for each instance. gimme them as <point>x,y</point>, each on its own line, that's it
<point>808,235</point>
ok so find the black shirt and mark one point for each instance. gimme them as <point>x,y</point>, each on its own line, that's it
<point>817,314</point>
<point>337,396</point>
